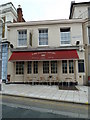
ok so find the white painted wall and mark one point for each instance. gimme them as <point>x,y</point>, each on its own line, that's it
<point>53,34</point>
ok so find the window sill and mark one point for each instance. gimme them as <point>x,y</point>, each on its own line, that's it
<point>21,46</point>
<point>65,44</point>
<point>42,45</point>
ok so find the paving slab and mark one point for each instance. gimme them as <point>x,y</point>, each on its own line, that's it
<point>47,92</point>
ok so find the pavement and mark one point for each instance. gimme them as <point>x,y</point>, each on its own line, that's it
<point>47,92</point>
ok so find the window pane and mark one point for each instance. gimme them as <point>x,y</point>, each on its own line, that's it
<point>43,37</point>
<point>71,66</point>
<point>64,66</point>
<point>53,66</point>
<point>35,67</point>
<point>19,67</point>
<point>65,35</point>
<point>46,67</point>
<point>22,38</point>
<point>29,67</point>
<point>80,65</point>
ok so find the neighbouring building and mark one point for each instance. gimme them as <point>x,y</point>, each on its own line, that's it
<point>82,11</point>
<point>8,14</point>
<point>45,51</point>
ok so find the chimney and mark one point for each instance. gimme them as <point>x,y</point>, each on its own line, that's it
<point>19,14</point>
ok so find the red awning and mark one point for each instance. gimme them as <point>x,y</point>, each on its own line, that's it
<point>44,55</point>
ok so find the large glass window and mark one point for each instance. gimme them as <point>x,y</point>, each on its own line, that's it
<point>45,66</point>
<point>88,35</point>
<point>43,37</point>
<point>35,67</point>
<point>4,60</point>
<point>22,38</point>
<point>64,66</point>
<point>19,67</point>
<point>29,67</point>
<point>71,66</point>
<point>80,65</point>
<point>53,66</point>
<point>65,36</point>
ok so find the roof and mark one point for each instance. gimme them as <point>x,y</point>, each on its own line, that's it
<point>76,4</point>
<point>45,22</point>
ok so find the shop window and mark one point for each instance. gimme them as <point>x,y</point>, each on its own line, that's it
<point>35,67</point>
<point>64,66</point>
<point>46,67</point>
<point>53,66</point>
<point>29,67</point>
<point>80,66</point>
<point>19,67</point>
<point>71,66</point>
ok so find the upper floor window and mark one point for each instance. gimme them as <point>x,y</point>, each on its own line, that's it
<point>22,38</point>
<point>65,36</point>
<point>43,37</point>
<point>88,35</point>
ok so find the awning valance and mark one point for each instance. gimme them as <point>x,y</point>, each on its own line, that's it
<point>44,55</point>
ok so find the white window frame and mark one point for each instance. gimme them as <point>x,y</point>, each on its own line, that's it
<point>66,40</point>
<point>18,38</point>
<point>20,68</point>
<point>39,36</point>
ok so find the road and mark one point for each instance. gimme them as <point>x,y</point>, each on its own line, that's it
<point>19,107</point>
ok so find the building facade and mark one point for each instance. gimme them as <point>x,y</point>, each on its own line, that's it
<point>8,14</point>
<point>82,11</point>
<point>47,51</point>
